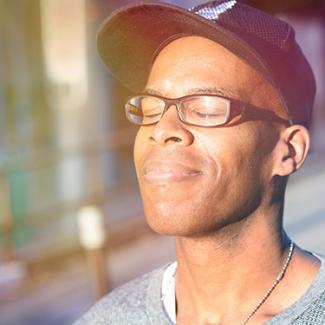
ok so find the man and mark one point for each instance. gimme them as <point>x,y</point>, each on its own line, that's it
<point>223,97</point>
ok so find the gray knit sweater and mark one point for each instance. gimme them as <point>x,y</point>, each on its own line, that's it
<point>138,302</point>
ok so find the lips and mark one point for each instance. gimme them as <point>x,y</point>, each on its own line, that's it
<point>168,171</point>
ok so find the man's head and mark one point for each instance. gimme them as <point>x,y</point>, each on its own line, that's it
<point>196,179</point>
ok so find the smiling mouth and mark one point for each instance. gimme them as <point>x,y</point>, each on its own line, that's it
<point>165,173</point>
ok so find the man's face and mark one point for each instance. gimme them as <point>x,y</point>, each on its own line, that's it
<point>194,180</point>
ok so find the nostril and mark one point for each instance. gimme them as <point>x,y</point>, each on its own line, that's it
<point>175,139</point>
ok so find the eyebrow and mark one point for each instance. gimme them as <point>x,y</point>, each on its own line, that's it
<point>149,91</point>
<point>193,91</point>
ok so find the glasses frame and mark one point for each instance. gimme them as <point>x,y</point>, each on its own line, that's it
<point>247,111</point>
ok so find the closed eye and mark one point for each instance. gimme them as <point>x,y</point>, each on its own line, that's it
<point>152,115</point>
<point>206,114</point>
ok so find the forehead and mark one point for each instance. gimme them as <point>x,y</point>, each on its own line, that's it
<point>195,62</point>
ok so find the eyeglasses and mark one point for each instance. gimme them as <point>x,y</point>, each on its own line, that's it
<point>199,110</point>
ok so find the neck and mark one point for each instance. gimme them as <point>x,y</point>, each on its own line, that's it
<point>225,273</point>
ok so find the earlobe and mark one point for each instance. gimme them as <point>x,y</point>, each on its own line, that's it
<point>291,150</point>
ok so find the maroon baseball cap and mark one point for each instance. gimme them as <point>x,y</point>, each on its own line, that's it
<point>130,38</point>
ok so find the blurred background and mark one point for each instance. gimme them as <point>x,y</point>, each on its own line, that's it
<point>66,161</point>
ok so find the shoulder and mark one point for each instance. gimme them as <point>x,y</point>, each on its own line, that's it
<point>126,304</point>
<point>311,308</point>
<point>315,311</point>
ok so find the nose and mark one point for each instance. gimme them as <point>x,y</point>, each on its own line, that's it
<point>171,130</point>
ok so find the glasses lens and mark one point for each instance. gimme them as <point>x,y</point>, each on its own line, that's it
<point>144,110</point>
<point>205,110</point>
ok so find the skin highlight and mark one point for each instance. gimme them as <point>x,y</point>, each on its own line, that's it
<point>224,207</point>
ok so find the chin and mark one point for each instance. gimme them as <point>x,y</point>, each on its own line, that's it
<point>171,230</point>
<point>163,222</point>
<point>188,220</point>
<point>181,223</point>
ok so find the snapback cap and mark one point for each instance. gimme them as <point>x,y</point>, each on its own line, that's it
<point>130,38</point>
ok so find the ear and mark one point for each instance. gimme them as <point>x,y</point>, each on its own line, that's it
<point>291,150</point>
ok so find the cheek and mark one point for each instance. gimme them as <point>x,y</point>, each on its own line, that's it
<point>235,190</point>
<point>224,152</point>
<point>235,153</point>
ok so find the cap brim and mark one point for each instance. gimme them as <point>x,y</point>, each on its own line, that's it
<point>130,38</point>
